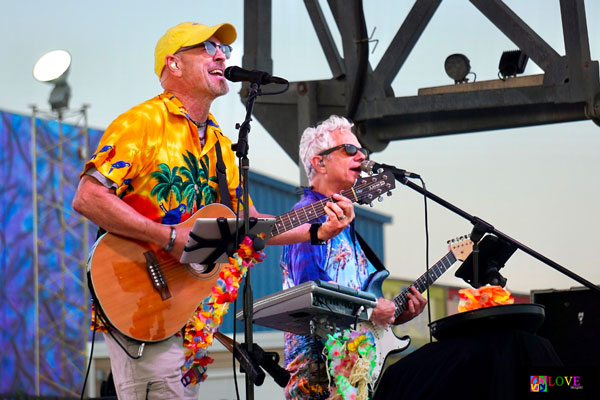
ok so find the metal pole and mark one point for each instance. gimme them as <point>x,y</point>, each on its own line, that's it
<point>36,298</point>
<point>61,246</point>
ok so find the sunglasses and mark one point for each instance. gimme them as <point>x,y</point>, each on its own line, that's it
<point>350,149</point>
<point>210,47</point>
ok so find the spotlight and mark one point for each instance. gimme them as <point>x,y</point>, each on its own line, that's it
<point>53,67</point>
<point>457,67</point>
<point>512,63</point>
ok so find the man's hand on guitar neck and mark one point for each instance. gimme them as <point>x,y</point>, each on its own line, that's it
<point>383,314</point>
<point>416,305</point>
<point>339,215</point>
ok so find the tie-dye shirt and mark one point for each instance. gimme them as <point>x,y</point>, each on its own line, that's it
<point>153,155</point>
<point>341,260</point>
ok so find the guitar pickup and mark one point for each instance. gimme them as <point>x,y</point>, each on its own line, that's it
<point>156,275</point>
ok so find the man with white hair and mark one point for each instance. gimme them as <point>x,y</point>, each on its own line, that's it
<point>332,157</point>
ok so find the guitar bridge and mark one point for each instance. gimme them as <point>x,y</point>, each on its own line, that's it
<point>156,275</point>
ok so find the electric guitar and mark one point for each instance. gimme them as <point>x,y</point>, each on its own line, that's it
<point>386,341</point>
<point>148,296</point>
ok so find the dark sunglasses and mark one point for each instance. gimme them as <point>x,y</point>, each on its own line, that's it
<point>350,149</point>
<point>210,47</point>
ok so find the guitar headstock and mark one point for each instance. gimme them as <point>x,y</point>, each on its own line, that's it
<point>461,247</point>
<point>368,188</point>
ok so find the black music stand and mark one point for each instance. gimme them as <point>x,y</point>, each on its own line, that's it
<point>493,254</point>
<point>215,240</point>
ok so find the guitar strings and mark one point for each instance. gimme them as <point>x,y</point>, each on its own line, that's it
<point>171,264</point>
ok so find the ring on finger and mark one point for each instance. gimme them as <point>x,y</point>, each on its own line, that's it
<point>341,217</point>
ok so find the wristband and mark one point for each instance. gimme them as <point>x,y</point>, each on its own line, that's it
<point>171,240</point>
<point>314,237</point>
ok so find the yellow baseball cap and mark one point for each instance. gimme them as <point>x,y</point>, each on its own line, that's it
<point>188,34</point>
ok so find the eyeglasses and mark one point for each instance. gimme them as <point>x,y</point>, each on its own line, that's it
<point>210,47</point>
<point>350,149</point>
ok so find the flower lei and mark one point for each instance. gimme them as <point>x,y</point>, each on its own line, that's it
<point>351,355</point>
<point>485,296</point>
<point>200,329</point>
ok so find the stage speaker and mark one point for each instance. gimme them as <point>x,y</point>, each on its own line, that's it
<point>572,324</point>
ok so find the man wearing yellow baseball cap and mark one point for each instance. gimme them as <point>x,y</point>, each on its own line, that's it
<point>155,166</point>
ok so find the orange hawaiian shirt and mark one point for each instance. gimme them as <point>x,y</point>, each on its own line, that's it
<point>154,156</point>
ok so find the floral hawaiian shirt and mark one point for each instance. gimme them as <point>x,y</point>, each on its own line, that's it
<point>154,156</point>
<point>341,260</point>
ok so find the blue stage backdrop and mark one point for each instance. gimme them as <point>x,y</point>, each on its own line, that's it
<point>62,310</point>
<point>68,297</point>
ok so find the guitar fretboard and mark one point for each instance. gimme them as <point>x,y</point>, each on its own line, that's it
<point>424,281</point>
<point>358,193</point>
<point>299,216</point>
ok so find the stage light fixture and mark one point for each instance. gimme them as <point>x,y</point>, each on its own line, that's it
<point>53,67</point>
<point>512,63</point>
<point>457,67</point>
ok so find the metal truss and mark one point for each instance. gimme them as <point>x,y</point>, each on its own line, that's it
<point>568,90</point>
<point>60,250</point>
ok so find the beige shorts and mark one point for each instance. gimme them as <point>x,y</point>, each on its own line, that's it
<point>154,376</point>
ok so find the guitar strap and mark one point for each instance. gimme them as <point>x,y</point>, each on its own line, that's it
<point>371,256</point>
<point>222,178</point>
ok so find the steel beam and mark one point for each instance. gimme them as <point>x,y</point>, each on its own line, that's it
<point>569,89</point>
<point>336,63</point>
<point>257,35</point>
<point>405,40</point>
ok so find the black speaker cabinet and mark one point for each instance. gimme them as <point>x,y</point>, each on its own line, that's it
<point>572,324</point>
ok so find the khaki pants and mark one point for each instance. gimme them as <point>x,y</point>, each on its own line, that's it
<point>154,376</point>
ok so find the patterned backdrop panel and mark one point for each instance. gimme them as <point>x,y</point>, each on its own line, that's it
<point>56,325</point>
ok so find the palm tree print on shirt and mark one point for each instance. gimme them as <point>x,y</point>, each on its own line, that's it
<point>169,183</point>
<point>196,188</point>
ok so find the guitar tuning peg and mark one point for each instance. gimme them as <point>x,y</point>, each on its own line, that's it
<point>389,193</point>
<point>380,199</point>
<point>380,170</point>
<point>370,204</point>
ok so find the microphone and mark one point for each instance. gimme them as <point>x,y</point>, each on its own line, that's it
<point>368,166</point>
<point>237,74</point>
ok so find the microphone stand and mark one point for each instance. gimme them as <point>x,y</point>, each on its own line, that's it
<point>241,151</point>
<point>481,227</point>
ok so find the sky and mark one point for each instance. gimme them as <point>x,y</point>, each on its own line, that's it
<point>539,185</point>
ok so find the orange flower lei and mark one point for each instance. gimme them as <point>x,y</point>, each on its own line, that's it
<point>486,296</point>
<point>200,329</point>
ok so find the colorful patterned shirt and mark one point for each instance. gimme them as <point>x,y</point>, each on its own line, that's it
<point>154,156</point>
<point>342,260</point>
